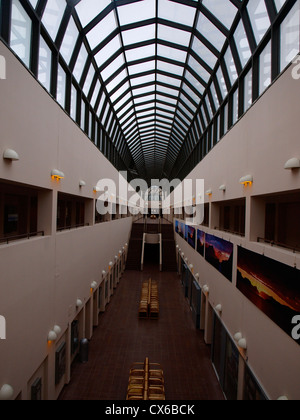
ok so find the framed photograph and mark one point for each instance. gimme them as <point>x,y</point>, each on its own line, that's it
<point>271,286</point>
<point>219,254</point>
<point>36,390</point>
<point>60,363</point>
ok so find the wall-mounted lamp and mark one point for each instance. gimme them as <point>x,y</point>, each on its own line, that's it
<point>197,276</point>
<point>79,303</point>
<point>94,285</point>
<point>242,343</point>
<point>191,267</point>
<point>52,336</point>
<point>6,392</point>
<point>57,175</point>
<point>219,308</point>
<point>110,265</point>
<point>238,336</point>
<point>10,154</point>
<point>96,189</point>
<point>103,273</point>
<point>246,180</point>
<point>222,188</point>
<point>82,183</point>
<point>57,330</point>
<point>205,289</point>
<point>293,163</point>
<point>209,192</point>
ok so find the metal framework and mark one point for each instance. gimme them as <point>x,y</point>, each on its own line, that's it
<point>155,84</point>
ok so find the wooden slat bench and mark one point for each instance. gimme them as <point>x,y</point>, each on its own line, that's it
<point>149,302</point>
<point>146,382</point>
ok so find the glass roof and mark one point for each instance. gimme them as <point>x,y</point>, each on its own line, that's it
<point>151,68</point>
<point>155,99</point>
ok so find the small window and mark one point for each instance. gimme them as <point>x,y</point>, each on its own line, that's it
<point>45,61</point>
<point>290,37</point>
<point>21,32</point>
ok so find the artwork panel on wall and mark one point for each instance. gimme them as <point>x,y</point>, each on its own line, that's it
<point>271,286</point>
<point>191,236</point>
<point>200,242</point>
<point>219,253</point>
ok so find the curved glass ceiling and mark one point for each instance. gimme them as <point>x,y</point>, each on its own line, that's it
<point>155,73</point>
<point>156,59</point>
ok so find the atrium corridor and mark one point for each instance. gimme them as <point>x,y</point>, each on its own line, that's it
<point>122,339</point>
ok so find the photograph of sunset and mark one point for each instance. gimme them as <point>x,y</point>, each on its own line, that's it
<point>270,285</point>
<point>219,253</point>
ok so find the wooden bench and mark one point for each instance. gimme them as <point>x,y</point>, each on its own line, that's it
<point>149,301</point>
<point>146,382</point>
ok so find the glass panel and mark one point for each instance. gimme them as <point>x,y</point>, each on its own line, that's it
<point>173,35</point>
<point>140,53</point>
<point>141,68</point>
<point>82,121</point>
<point>169,80</point>
<point>265,69</point>
<point>223,10</point>
<point>259,18</point>
<point>116,81</point>
<point>61,86</point>
<point>204,53</point>
<point>290,36</point>
<point>248,91</point>
<point>211,32</point>
<point>80,63</point>
<point>88,9</point>
<point>141,34</point>
<point>235,108</point>
<point>172,53</point>
<point>69,41</point>
<point>222,82</point>
<point>197,85</point>
<point>198,69</point>
<point>52,16</point>
<point>113,67</point>
<point>191,93</point>
<point>101,31</point>
<point>20,37</point>
<point>242,44</point>
<point>279,4</point>
<point>88,80</point>
<point>137,12</point>
<point>45,60</point>
<point>73,103</point>
<point>111,48</point>
<point>95,94</point>
<point>230,66</point>
<point>33,3</point>
<point>176,12</point>
<point>215,96</point>
<point>170,68</point>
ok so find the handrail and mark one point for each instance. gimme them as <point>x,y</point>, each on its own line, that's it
<point>279,244</point>
<point>73,227</point>
<point>143,251</point>
<point>24,236</point>
<point>160,253</point>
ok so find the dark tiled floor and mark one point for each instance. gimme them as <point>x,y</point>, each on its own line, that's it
<point>122,339</point>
